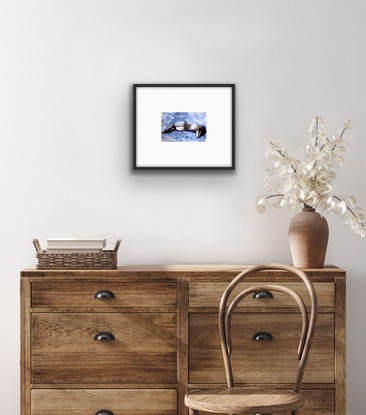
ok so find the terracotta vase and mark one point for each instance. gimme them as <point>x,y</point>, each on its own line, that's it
<point>308,236</point>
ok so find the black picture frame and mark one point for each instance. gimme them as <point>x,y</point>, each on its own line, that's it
<point>183,126</point>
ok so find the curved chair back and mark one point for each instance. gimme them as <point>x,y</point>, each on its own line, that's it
<point>308,320</point>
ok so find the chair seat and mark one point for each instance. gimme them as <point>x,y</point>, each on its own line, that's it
<point>243,401</point>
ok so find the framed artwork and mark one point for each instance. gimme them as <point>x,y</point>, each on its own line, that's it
<point>184,127</point>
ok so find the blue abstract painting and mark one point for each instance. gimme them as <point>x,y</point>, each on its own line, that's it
<point>183,126</point>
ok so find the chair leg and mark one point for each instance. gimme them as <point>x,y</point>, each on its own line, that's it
<point>193,411</point>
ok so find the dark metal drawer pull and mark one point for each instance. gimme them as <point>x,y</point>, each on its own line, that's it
<point>262,336</point>
<point>104,335</point>
<point>104,412</point>
<point>104,295</point>
<point>262,294</point>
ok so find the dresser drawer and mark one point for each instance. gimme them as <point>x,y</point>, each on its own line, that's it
<point>64,349</point>
<point>206,294</point>
<point>273,361</point>
<point>90,401</point>
<point>82,295</point>
<point>317,402</point>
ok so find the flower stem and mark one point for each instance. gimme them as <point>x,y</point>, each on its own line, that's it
<point>280,152</point>
<point>276,195</point>
<point>351,211</point>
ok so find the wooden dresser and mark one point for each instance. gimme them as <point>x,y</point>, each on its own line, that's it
<point>129,341</point>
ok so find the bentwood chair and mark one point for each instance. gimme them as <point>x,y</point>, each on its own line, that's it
<point>238,400</point>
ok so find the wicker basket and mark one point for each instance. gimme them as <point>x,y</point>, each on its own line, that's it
<point>79,260</point>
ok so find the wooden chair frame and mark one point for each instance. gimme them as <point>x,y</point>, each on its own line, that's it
<point>225,317</point>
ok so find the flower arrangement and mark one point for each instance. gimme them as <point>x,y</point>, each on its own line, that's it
<point>310,183</point>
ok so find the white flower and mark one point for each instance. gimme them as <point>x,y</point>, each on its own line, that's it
<point>309,183</point>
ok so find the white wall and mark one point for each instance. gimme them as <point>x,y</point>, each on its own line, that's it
<point>66,75</point>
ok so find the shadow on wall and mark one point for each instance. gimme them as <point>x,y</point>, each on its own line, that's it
<point>356,340</point>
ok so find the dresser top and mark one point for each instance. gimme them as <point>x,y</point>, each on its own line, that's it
<point>211,271</point>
